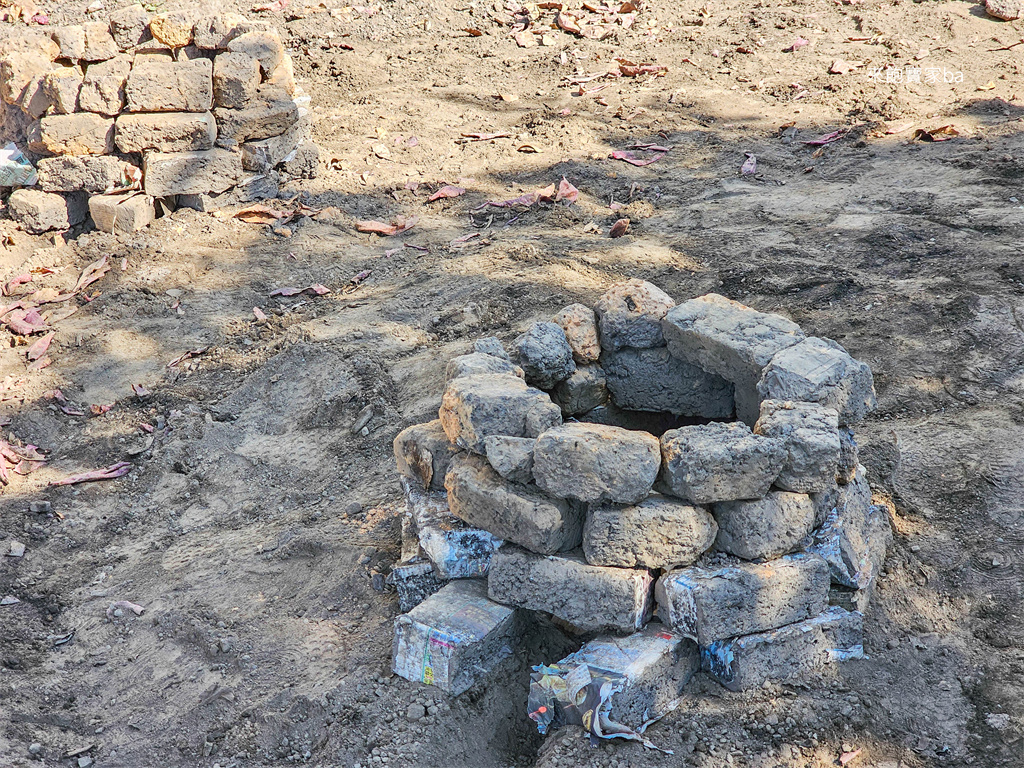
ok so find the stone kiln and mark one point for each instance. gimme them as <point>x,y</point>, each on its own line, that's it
<point>696,461</point>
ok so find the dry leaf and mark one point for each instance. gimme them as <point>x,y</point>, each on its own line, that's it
<point>38,349</point>
<point>749,166</point>
<point>619,228</point>
<point>446,191</point>
<point>943,133</point>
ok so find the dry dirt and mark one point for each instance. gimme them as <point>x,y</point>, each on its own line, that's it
<point>254,521</point>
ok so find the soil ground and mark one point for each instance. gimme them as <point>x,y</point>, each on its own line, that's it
<point>253,521</point>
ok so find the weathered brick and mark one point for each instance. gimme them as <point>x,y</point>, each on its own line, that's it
<point>103,87</point>
<point>629,315</point>
<point>651,379</point>
<point>236,78</point>
<point>179,86</point>
<point>709,604</point>
<point>454,638</point>
<point>271,113</point>
<point>87,173</point>
<point>29,40</point>
<point>178,173</point>
<point>18,70</point>
<point>731,340</point>
<point>40,212</point>
<point>70,41</point>
<point>764,528</point>
<point>63,85</point>
<point>99,44</point>
<point>79,134</point>
<point>265,47</point>
<point>514,512</point>
<point>173,29</point>
<point>589,597</point>
<point>283,77</point>
<point>659,532</point>
<point>423,454</point>
<point>176,132</point>
<point>796,652</point>
<point>129,26</point>
<point>121,213</point>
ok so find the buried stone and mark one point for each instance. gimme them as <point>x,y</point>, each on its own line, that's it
<point>593,462</point>
<point>477,363</point>
<point>709,604</point>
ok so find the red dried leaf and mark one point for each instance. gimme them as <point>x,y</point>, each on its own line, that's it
<point>99,410</point>
<point>140,391</point>
<point>259,314</point>
<point>568,23</point>
<point>38,349</point>
<point>828,138</point>
<point>38,365</point>
<point>107,473</point>
<point>91,274</point>
<point>146,428</point>
<point>191,353</point>
<point>286,291</point>
<point>632,159</point>
<point>16,281</point>
<point>619,228</point>
<point>317,289</point>
<point>566,191</point>
<point>25,322</point>
<point>446,191</point>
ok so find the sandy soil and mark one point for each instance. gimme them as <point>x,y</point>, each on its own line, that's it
<point>254,526</point>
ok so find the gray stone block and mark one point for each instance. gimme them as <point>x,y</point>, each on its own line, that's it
<point>476,363</point>
<point>593,462</point>
<point>647,670</point>
<point>659,532</point>
<point>423,454</point>
<point>583,391</point>
<point>474,407</point>
<point>718,462</point>
<point>794,653</point>
<point>185,173</point>
<point>457,550</point>
<point>810,434</point>
<point>653,380</point>
<point>589,597</point>
<point>491,345</point>
<point>216,31</point>
<point>629,314</point>
<point>86,173</point>
<point>709,604</point>
<point>579,323</point>
<point>236,78</point>
<point>764,528</point>
<point>303,162</point>
<point>414,582</point>
<point>81,134</point>
<point>511,457</point>
<point>820,371</point>
<point>732,340</point>
<point>39,212</point>
<point>129,26</point>
<point>269,153</point>
<point>271,113</point>
<point>166,132</point>
<point>103,87</point>
<point>454,638</point>
<point>848,461</point>
<point>170,86</point>
<point>510,511</point>
<point>545,355</point>
<point>122,213</point>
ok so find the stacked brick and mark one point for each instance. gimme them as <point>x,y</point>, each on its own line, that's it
<point>694,461</point>
<point>140,114</point>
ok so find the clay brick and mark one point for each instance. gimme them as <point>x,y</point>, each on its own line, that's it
<point>129,26</point>
<point>40,212</point>
<point>17,72</point>
<point>182,132</point>
<point>271,113</point>
<point>88,173</point>
<point>121,213</point>
<point>180,86</point>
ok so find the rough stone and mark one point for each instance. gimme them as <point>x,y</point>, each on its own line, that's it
<point>268,153</point>
<point>820,371</point>
<point>511,457</point>
<point>545,355</point>
<point>764,528</point>
<point>172,29</point>
<point>265,47</point>
<point>792,653</point>
<point>177,173</point>
<point>629,315</point>
<point>847,469</point>
<point>88,173</point>
<point>810,435</point>
<point>236,78</point>
<point>732,340</point>
<point>271,113</point>
<point>423,454</point>
<point>583,391</point>
<point>121,213</point>
<point>79,134</point>
<point>1007,10</point>
<point>215,32</point>
<point>659,532</point>
<point>18,71</point>
<point>516,513</point>
<point>651,668</point>
<point>303,162</point>
<point>457,550</point>
<point>651,379</point>
<point>283,77</point>
<point>476,363</point>
<point>414,583</point>
<point>709,604</point>
<point>590,597</point>
<point>474,407</point>
<point>491,345</point>
<point>99,44</point>
<point>579,323</point>
<point>163,132</point>
<point>170,86</point>
<point>70,41</point>
<point>35,100</point>
<point>103,87</point>
<point>63,85</point>
<point>718,462</point>
<point>129,26</point>
<point>454,638</point>
<point>39,212</point>
<point>594,462</point>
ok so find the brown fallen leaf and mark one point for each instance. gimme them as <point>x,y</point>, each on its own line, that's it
<point>185,356</point>
<point>38,349</point>
<point>841,67</point>
<point>401,224</point>
<point>632,159</point>
<point>91,274</point>
<point>352,284</point>
<point>847,757</point>
<point>629,69</point>
<point>485,136</point>
<point>472,32</point>
<point>25,322</point>
<point>99,410</point>
<point>446,191</point>
<point>566,191</point>
<point>38,365</point>
<point>619,228</point>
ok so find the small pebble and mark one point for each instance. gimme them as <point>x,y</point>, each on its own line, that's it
<point>415,712</point>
